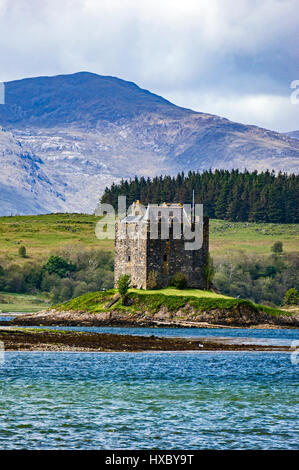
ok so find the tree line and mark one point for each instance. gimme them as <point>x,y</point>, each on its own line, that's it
<point>72,272</point>
<point>264,280</point>
<point>229,195</point>
<point>67,274</point>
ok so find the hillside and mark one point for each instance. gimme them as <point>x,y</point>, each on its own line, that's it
<point>85,131</point>
<point>293,134</point>
<point>245,266</point>
<point>23,180</point>
<point>45,234</point>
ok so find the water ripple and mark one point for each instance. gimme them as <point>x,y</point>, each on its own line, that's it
<point>160,400</point>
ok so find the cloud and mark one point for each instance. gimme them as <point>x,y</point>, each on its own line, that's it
<point>269,111</point>
<point>220,54</point>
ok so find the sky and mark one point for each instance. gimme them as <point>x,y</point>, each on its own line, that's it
<point>233,58</point>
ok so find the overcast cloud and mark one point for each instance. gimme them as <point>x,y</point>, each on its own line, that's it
<point>234,58</point>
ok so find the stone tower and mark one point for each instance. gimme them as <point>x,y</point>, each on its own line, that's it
<point>142,247</point>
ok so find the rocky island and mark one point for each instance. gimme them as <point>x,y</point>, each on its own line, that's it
<point>167,307</point>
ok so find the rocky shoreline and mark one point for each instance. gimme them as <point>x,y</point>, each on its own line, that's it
<point>240,316</point>
<point>18,339</point>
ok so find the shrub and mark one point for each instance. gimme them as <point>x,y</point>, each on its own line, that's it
<point>32,276</point>
<point>59,266</point>
<point>179,281</point>
<point>291,297</point>
<point>15,283</point>
<point>123,285</point>
<point>49,281</point>
<point>152,282</point>
<point>22,251</point>
<point>81,288</point>
<point>209,271</point>
<point>64,291</point>
<point>277,247</point>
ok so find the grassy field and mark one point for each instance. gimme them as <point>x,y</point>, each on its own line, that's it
<point>44,234</point>
<point>251,237</point>
<point>22,302</point>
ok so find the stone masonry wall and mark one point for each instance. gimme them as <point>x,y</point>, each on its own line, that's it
<point>130,256</point>
<point>168,257</point>
<point>138,255</point>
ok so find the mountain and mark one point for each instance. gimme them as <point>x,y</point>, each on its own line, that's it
<point>24,186</point>
<point>84,131</point>
<point>293,134</point>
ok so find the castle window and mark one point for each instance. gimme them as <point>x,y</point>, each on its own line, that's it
<point>137,213</point>
<point>129,258</point>
<point>165,257</point>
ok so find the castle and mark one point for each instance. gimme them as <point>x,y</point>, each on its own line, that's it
<point>142,249</point>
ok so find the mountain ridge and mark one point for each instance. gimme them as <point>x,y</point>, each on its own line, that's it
<point>293,134</point>
<point>85,131</point>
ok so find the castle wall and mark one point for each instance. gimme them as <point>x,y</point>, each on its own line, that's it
<point>138,255</point>
<point>130,256</point>
<point>178,259</point>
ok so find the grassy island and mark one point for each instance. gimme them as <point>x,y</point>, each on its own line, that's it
<point>169,298</point>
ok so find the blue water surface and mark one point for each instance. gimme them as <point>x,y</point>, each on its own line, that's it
<point>183,400</point>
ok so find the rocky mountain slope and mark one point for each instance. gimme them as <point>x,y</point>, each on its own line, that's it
<point>24,186</point>
<point>293,134</point>
<point>83,131</point>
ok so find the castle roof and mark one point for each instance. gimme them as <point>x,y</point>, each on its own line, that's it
<point>167,211</point>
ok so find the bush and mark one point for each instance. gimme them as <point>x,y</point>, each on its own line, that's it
<point>49,282</point>
<point>152,282</point>
<point>64,291</point>
<point>22,251</point>
<point>209,272</point>
<point>81,288</point>
<point>15,283</point>
<point>277,248</point>
<point>291,297</point>
<point>179,281</point>
<point>32,276</point>
<point>59,266</point>
<point>123,284</point>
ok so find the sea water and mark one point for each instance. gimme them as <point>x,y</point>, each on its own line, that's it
<point>178,400</point>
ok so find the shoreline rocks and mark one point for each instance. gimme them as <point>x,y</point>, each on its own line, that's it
<point>239,316</point>
<point>18,339</point>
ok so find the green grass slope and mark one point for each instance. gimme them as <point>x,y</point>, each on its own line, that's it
<point>154,300</point>
<point>43,234</point>
<point>22,302</point>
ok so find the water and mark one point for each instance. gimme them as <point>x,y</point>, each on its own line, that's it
<point>212,400</point>
<point>6,318</point>
<point>278,337</point>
